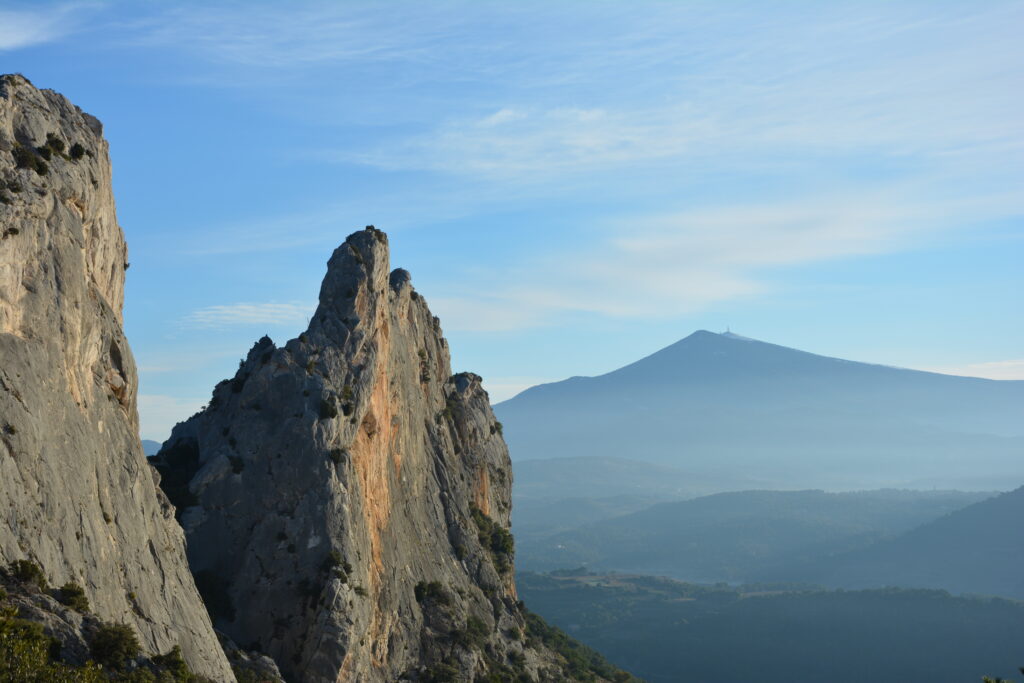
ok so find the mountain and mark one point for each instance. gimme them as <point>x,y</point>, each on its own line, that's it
<point>741,536</point>
<point>732,410</point>
<point>978,549</point>
<point>150,447</point>
<point>81,506</point>
<point>671,632</point>
<point>346,499</point>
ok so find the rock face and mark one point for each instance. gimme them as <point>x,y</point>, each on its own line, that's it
<point>346,499</point>
<point>77,495</point>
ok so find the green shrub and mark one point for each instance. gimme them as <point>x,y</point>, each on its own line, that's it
<point>360,591</point>
<point>26,654</point>
<point>77,151</point>
<point>114,645</point>
<point>174,664</point>
<point>73,595</point>
<point>54,143</point>
<point>442,672</point>
<point>495,538</point>
<point>27,571</point>
<point>431,591</point>
<point>474,635</point>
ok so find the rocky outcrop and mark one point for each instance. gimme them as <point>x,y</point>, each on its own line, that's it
<point>78,497</point>
<point>346,499</point>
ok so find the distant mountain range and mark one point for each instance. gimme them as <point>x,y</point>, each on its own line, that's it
<point>978,549</point>
<point>737,413</point>
<point>746,536</point>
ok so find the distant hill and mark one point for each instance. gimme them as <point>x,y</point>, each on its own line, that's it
<point>741,536</point>
<point>731,411</point>
<point>670,632</point>
<point>978,549</point>
<point>150,447</point>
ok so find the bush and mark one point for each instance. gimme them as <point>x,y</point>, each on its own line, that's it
<point>494,538</point>
<point>173,663</point>
<point>431,591</point>
<point>73,595</point>
<point>26,654</point>
<point>27,571</point>
<point>77,151</point>
<point>26,158</point>
<point>442,672</point>
<point>54,143</point>
<point>474,635</point>
<point>114,645</point>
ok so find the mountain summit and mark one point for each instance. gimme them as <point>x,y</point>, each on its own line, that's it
<point>346,499</point>
<point>753,413</point>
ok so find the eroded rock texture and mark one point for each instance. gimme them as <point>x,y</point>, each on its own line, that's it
<point>76,494</point>
<point>346,499</point>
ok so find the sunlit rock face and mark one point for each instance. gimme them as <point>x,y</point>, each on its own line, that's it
<point>77,495</point>
<point>346,498</point>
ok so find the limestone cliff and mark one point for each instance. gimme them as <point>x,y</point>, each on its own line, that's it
<point>76,494</point>
<point>346,499</point>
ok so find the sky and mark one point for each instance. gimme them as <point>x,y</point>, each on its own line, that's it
<point>573,185</point>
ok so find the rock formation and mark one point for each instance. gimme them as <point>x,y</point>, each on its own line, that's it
<point>346,499</point>
<point>78,497</point>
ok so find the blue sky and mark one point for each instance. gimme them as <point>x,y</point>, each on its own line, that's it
<point>573,185</point>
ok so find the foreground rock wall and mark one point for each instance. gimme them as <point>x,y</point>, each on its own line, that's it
<point>76,494</point>
<point>347,500</point>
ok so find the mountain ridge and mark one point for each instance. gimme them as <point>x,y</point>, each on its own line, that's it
<point>977,549</point>
<point>752,410</point>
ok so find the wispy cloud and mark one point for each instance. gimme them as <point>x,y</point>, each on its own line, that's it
<point>267,313</point>
<point>832,82</point>
<point>301,35</point>
<point>24,28</point>
<point>663,266</point>
<point>1003,369</point>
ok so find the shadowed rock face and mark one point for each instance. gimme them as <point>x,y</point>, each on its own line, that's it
<point>331,477</point>
<point>78,496</point>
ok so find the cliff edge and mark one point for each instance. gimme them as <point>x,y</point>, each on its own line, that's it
<point>78,497</point>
